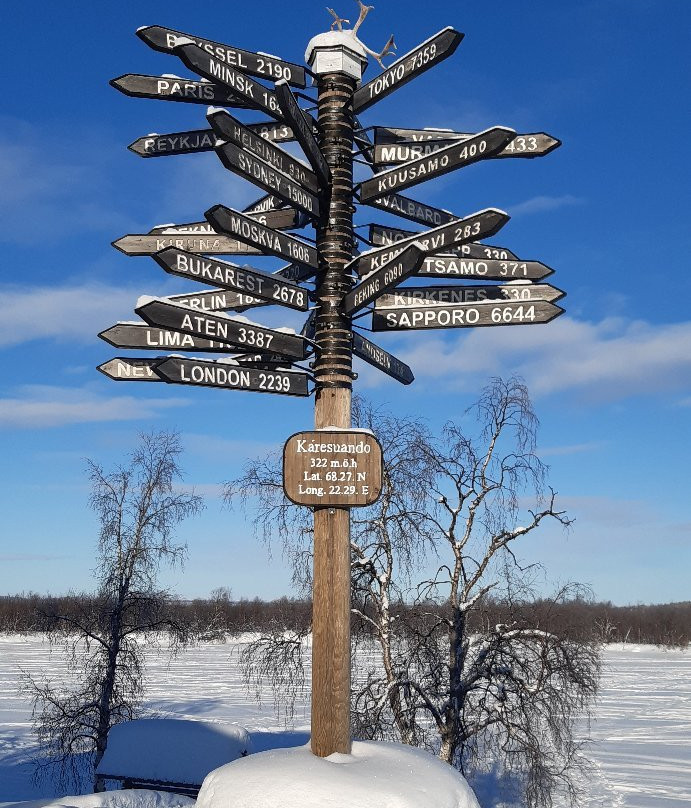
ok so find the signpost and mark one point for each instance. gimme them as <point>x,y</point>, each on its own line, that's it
<point>333,468</point>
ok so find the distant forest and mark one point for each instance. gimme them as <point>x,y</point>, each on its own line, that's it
<point>220,616</point>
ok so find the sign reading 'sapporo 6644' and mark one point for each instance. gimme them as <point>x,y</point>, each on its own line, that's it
<point>340,468</point>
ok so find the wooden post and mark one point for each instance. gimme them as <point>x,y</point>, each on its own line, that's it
<point>338,61</point>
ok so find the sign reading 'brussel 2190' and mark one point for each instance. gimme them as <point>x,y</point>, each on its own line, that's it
<point>339,468</point>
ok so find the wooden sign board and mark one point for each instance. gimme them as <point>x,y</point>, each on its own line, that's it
<point>384,236</point>
<point>381,359</point>
<point>303,131</point>
<point>140,335</point>
<point>386,277</point>
<point>413,210</point>
<point>130,369</point>
<point>418,296</point>
<point>340,468</point>
<point>174,88</point>
<point>217,300</point>
<point>465,315</point>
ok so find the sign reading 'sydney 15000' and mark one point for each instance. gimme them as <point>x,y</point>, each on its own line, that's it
<point>332,468</point>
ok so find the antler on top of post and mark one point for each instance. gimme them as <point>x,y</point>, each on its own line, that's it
<point>338,21</point>
<point>390,46</point>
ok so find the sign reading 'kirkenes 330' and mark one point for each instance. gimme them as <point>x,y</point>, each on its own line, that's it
<point>332,468</point>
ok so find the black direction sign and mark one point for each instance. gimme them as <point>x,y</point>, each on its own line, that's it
<point>379,358</point>
<point>252,92</point>
<point>302,129</point>
<point>140,335</point>
<point>458,266</point>
<point>280,219</point>
<point>254,169</point>
<point>419,296</point>
<point>465,315</point>
<point>384,236</point>
<point>455,155</point>
<point>399,145</point>
<point>174,88</point>
<point>262,65</point>
<point>217,300</point>
<point>230,276</point>
<point>155,145</point>
<point>230,129</point>
<point>263,204</point>
<point>413,210</point>
<point>426,55</point>
<point>130,369</point>
<point>232,376</point>
<point>462,231</point>
<point>235,330</point>
<point>273,131</point>
<point>386,277</point>
<point>269,241</point>
<point>211,242</point>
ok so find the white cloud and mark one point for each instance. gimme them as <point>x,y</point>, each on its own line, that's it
<point>576,448</point>
<point>605,360</point>
<point>39,406</point>
<point>67,312</point>
<point>541,204</point>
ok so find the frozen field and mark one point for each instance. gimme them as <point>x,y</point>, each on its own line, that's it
<point>641,736</point>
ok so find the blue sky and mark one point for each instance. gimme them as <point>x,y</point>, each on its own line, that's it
<point>610,379</point>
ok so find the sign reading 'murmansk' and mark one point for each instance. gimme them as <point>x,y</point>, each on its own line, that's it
<point>328,468</point>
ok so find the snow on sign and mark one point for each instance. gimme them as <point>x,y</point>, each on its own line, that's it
<point>332,468</point>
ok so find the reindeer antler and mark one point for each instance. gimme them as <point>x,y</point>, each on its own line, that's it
<point>338,21</point>
<point>390,47</point>
<point>364,11</point>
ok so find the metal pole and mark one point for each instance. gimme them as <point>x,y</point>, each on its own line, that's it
<point>333,375</point>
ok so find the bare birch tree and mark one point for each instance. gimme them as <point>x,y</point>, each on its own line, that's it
<point>138,508</point>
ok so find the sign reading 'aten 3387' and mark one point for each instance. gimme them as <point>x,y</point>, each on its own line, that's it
<point>328,468</point>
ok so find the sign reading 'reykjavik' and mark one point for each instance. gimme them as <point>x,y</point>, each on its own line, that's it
<point>327,468</point>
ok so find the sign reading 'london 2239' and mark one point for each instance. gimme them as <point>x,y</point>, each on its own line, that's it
<point>324,468</point>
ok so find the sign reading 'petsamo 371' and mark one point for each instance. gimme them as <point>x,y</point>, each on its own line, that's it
<point>328,468</point>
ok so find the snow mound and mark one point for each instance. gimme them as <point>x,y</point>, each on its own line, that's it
<point>374,775</point>
<point>171,750</point>
<point>135,798</point>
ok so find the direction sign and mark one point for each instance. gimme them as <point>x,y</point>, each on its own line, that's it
<point>412,209</point>
<point>282,219</point>
<point>262,65</point>
<point>230,276</point>
<point>418,296</point>
<point>386,277</point>
<point>231,375</point>
<point>264,204</point>
<point>211,243</point>
<point>332,468</point>
<point>384,236</point>
<point>265,176</point>
<point>426,55</point>
<point>155,145</point>
<point>252,92</point>
<point>217,300</point>
<point>230,129</point>
<point>465,315</point>
<point>130,369</point>
<point>175,88</point>
<point>303,131</point>
<point>462,231</point>
<point>455,155</point>
<point>236,330</point>
<point>379,358</point>
<point>273,131</point>
<point>444,266</point>
<point>392,144</point>
<point>269,241</point>
<point>140,335</point>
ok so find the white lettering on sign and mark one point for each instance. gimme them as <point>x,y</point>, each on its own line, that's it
<point>128,370</point>
<point>184,141</point>
<point>214,272</point>
<point>186,89</point>
<point>413,210</point>
<point>333,448</point>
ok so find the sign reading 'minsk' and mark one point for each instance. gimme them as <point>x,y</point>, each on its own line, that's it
<point>332,468</point>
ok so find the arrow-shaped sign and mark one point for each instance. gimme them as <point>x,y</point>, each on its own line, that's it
<point>231,375</point>
<point>413,210</point>
<point>253,93</point>
<point>462,231</point>
<point>211,243</point>
<point>269,241</point>
<point>452,266</point>
<point>418,296</point>
<point>379,358</point>
<point>426,55</point>
<point>174,88</point>
<point>130,369</point>
<point>235,330</point>
<point>230,276</point>
<point>217,300</point>
<point>379,235</point>
<point>455,155</point>
<point>155,145</point>
<point>386,277</point>
<point>140,335</point>
<point>228,128</point>
<point>465,315</point>
<point>262,65</point>
<point>302,128</point>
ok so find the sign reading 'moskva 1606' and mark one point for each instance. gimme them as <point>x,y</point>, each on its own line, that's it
<point>328,468</point>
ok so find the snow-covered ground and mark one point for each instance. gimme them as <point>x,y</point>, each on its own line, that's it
<point>641,735</point>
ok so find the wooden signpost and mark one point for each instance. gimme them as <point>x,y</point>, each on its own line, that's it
<point>333,468</point>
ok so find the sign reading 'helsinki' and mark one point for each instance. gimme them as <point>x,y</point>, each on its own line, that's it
<point>333,468</point>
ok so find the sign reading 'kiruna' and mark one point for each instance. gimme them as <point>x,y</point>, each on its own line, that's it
<point>339,468</point>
